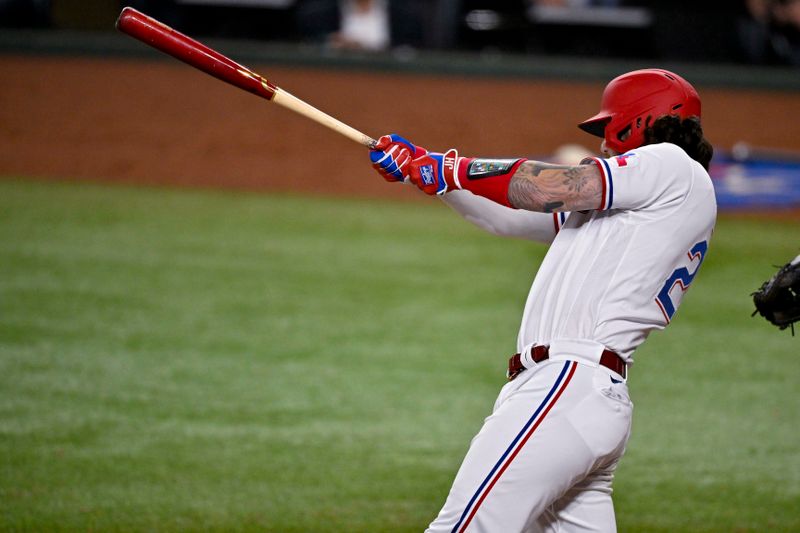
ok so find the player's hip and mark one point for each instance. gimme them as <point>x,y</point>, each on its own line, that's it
<point>586,397</point>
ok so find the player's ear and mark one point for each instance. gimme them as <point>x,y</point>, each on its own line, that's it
<point>606,151</point>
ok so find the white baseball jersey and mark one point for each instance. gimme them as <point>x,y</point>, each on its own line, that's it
<point>545,459</point>
<point>613,275</point>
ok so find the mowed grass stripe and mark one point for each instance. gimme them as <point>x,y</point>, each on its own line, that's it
<point>182,360</point>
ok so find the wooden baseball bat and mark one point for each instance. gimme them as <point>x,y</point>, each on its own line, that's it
<point>200,56</point>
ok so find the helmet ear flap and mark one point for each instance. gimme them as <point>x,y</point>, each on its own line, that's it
<point>624,133</point>
<point>632,135</point>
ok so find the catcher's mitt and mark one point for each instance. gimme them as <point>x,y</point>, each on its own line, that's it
<point>778,299</point>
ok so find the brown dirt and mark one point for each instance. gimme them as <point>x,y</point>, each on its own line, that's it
<point>146,122</point>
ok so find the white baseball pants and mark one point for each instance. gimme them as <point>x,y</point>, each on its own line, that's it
<point>545,458</point>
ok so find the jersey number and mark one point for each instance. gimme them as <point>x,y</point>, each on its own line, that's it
<point>682,277</point>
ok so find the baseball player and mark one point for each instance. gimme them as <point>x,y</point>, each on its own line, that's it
<point>627,232</point>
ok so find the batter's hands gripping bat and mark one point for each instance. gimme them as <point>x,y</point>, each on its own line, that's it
<point>178,45</point>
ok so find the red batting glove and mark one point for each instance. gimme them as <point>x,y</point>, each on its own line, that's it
<point>391,155</point>
<point>436,173</point>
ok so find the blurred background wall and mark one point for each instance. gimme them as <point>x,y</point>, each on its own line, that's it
<point>501,77</point>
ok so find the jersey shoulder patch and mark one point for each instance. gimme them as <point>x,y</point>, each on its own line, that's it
<point>628,159</point>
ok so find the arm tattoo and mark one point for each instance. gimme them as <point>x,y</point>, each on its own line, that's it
<point>542,187</point>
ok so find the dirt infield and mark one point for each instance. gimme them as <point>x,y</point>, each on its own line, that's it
<point>161,122</point>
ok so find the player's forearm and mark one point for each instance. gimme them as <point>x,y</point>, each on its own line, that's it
<point>516,183</point>
<point>546,188</point>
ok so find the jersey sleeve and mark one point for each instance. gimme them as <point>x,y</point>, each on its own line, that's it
<point>504,221</point>
<point>647,177</point>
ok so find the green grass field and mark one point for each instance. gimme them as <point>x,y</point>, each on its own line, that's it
<point>174,360</point>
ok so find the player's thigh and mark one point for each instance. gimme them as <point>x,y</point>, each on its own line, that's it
<point>527,454</point>
<point>585,508</point>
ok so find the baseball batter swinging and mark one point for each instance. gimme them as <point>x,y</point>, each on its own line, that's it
<point>627,234</point>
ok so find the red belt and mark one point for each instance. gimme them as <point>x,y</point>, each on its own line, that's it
<point>608,359</point>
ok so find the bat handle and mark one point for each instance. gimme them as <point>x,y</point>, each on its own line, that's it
<point>287,100</point>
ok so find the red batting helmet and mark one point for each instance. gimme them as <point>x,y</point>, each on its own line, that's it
<point>631,102</point>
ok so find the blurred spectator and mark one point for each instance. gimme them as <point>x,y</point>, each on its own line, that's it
<point>786,31</point>
<point>364,25</point>
<point>407,23</point>
<point>348,24</point>
<point>769,31</point>
<point>753,29</point>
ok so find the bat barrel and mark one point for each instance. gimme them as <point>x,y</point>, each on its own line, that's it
<point>171,42</point>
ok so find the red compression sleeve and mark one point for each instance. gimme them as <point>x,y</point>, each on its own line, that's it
<point>488,177</point>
